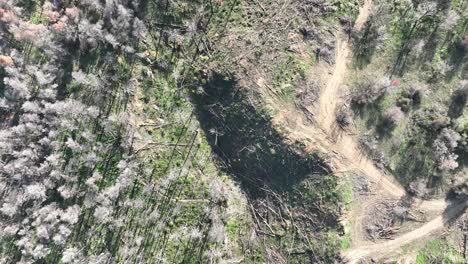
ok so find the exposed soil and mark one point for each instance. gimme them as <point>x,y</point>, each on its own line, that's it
<point>332,95</point>
<point>317,127</point>
<point>384,248</point>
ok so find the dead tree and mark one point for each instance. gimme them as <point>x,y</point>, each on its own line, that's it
<point>463,225</point>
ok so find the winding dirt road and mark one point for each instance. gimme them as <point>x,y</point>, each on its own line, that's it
<point>382,249</point>
<point>345,155</point>
<point>331,95</point>
<point>348,147</point>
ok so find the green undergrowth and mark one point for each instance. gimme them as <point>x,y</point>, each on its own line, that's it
<point>294,200</point>
<point>175,172</point>
<point>346,192</point>
<point>348,8</point>
<point>413,52</point>
<point>288,74</point>
<point>216,181</point>
<point>439,251</point>
<point>291,203</point>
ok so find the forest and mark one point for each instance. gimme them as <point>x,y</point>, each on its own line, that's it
<point>233,131</point>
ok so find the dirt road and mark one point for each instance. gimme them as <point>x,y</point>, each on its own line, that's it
<point>347,147</point>
<point>332,94</point>
<point>381,249</point>
<point>344,154</point>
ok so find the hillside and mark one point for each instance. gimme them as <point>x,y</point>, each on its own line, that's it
<point>264,131</point>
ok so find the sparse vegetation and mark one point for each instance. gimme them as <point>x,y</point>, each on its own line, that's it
<point>429,98</point>
<point>439,251</point>
<point>111,153</point>
<point>217,131</point>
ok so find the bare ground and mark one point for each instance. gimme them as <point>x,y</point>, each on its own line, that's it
<point>384,248</point>
<point>332,95</point>
<point>342,146</point>
<point>344,155</point>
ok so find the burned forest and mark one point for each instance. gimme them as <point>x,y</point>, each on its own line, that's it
<point>232,131</point>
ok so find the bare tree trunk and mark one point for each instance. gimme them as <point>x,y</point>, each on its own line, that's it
<point>464,229</point>
<point>465,236</point>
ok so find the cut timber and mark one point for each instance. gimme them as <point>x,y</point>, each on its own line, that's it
<point>380,249</point>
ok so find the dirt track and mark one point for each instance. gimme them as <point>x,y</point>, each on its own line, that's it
<point>381,249</point>
<point>345,155</point>
<point>347,147</point>
<point>331,95</point>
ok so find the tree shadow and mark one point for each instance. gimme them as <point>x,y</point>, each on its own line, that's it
<point>455,209</point>
<point>457,58</point>
<point>430,48</point>
<point>416,164</point>
<point>245,141</point>
<point>29,6</point>
<point>457,106</point>
<point>456,206</point>
<point>384,129</point>
<point>280,180</point>
<point>364,44</point>
<point>363,112</point>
